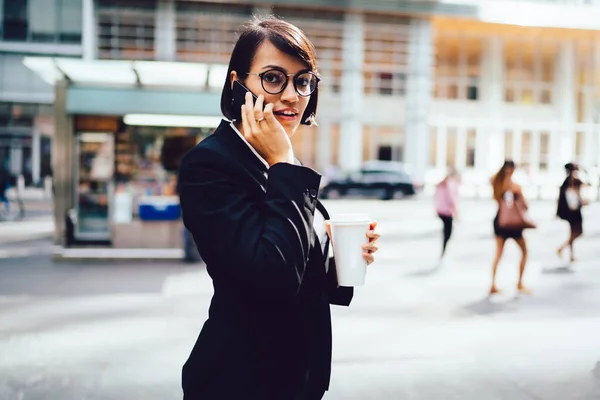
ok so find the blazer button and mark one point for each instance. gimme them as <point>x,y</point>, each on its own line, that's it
<point>313,193</point>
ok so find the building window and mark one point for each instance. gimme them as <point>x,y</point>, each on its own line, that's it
<point>386,55</point>
<point>14,20</point>
<point>472,92</point>
<point>457,67</point>
<point>42,21</point>
<point>585,77</point>
<point>126,30</point>
<point>207,32</point>
<point>471,147</point>
<point>388,142</point>
<point>385,83</point>
<point>544,150</point>
<point>529,71</point>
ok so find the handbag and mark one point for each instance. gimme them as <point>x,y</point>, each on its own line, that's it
<point>514,215</point>
<point>573,199</point>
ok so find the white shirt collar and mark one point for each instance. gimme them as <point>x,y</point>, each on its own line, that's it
<point>248,144</point>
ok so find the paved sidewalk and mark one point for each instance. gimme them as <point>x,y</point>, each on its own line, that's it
<point>101,330</point>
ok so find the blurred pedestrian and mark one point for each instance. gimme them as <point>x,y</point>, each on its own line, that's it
<point>446,204</point>
<point>4,185</point>
<point>256,219</point>
<point>508,194</point>
<point>569,207</point>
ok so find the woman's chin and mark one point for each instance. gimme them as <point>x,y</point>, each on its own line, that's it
<point>290,130</point>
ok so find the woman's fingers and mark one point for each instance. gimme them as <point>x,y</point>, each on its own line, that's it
<point>258,109</point>
<point>373,235</point>
<point>370,247</point>
<point>245,124</point>
<point>368,258</point>
<point>250,113</point>
<point>269,117</point>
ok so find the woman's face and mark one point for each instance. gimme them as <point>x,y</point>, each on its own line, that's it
<point>289,101</point>
<point>509,172</point>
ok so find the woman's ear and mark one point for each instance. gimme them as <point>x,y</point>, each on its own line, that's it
<point>233,76</point>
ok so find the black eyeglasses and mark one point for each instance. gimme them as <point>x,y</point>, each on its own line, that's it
<point>275,81</point>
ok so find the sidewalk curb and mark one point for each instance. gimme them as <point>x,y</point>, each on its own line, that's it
<point>98,253</point>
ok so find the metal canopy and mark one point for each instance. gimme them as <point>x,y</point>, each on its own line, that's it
<point>120,73</point>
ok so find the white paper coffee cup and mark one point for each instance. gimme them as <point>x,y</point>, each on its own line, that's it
<point>349,234</point>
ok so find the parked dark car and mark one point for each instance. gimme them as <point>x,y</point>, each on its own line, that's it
<point>383,179</point>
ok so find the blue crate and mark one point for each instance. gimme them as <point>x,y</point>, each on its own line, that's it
<point>159,208</point>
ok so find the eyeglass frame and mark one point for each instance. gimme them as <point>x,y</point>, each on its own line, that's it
<point>261,74</point>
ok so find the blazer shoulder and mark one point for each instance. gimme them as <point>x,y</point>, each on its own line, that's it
<point>210,150</point>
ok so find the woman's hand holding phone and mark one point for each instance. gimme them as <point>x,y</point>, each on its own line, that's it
<point>264,133</point>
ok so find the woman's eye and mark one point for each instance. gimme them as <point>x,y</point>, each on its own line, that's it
<point>302,82</point>
<point>272,78</point>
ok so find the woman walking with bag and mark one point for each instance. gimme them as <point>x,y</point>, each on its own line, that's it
<point>511,206</point>
<point>446,204</point>
<point>569,207</point>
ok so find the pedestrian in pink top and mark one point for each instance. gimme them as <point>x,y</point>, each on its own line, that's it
<point>446,203</point>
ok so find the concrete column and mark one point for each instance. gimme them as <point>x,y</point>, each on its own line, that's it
<point>351,137</point>
<point>564,89</point>
<point>418,94</point>
<point>89,36</point>
<point>62,162</point>
<point>517,145</point>
<point>35,156</point>
<point>492,80</point>
<point>16,160</point>
<point>535,152</point>
<point>165,31</point>
<point>554,158</point>
<point>442,143</point>
<point>460,161</point>
<point>482,144</point>
<point>588,146</point>
<point>324,156</point>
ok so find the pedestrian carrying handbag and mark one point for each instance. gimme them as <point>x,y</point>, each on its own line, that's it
<point>514,215</point>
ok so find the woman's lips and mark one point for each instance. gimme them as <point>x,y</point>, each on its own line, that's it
<point>285,117</point>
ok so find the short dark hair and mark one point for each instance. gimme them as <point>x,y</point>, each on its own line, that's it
<point>284,36</point>
<point>570,167</point>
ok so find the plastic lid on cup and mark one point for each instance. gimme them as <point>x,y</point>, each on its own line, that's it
<point>350,218</point>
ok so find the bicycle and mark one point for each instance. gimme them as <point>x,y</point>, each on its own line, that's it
<point>11,210</point>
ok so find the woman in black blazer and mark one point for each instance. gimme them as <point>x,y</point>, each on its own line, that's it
<point>254,214</point>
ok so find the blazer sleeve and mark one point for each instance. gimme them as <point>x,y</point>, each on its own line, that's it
<point>338,295</point>
<point>263,244</point>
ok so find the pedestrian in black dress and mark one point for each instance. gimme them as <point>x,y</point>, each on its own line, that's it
<point>569,207</point>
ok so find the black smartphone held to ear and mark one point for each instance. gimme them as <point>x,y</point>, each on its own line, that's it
<point>238,98</point>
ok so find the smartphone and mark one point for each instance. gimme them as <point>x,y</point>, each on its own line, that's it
<point>238,98</point>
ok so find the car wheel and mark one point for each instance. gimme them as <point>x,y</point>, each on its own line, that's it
<point>399,194</point>
<point>388,194</point>
<point>333,193</point>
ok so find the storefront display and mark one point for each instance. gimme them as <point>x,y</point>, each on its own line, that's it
<point>126,183</point>
<point>94,176</point>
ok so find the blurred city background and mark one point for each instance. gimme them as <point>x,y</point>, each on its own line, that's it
<point>100,99</point>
